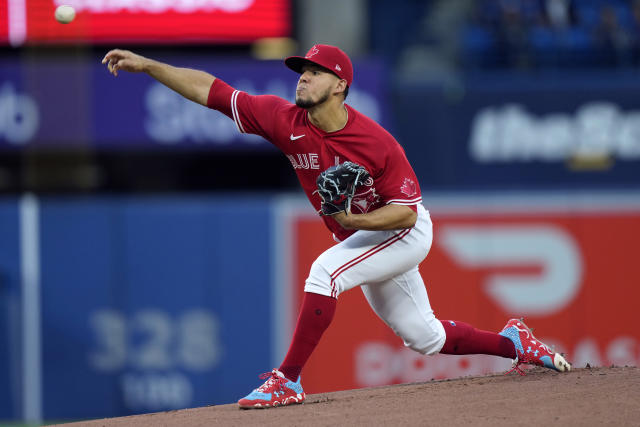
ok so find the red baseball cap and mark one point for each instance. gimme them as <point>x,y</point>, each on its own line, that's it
<point>329,57</point>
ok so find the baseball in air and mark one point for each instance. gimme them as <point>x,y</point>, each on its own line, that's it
<point>65,14</point>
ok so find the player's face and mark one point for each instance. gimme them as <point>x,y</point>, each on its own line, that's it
<point>314,86</point>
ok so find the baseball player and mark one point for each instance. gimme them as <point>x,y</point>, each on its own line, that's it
<point>359,180</point>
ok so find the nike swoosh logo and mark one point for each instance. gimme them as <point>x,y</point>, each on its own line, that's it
<point>293,138</point>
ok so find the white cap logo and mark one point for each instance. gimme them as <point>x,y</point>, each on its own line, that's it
<point>314,50</point>
<point>338,67</point>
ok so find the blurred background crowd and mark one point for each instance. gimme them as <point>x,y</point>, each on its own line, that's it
<point>521,34</point>
<point>547,33</point>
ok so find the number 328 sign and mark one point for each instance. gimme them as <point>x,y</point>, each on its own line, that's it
<point>153,351</point>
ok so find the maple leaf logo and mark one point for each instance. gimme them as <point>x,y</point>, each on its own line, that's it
<point>313,51</point>
<point>408,187</point>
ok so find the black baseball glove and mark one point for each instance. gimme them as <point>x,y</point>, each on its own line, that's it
<point>338,184</point>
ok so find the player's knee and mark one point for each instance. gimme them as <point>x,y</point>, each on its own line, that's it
<point>319,280</point>
<point>427,340</point>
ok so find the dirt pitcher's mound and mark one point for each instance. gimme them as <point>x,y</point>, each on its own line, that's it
<point>583,397</point>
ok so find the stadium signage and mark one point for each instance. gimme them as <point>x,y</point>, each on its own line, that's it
<point>19,115</point>
<point>63,105</point>
<point>148,21</point>
<point>551,258</point>
<point>510,133</point>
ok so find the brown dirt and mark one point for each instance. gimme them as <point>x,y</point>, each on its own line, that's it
<point>582,397</point>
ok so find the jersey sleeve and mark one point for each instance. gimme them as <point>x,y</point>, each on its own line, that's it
<point>398,183</point>
<point>255,114</point>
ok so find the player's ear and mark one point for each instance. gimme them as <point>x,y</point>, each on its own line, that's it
<point>341,86</point>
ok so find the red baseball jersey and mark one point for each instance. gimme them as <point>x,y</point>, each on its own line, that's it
<point>312,150</point>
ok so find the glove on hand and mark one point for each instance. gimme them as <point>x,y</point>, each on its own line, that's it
<point>338,184</point>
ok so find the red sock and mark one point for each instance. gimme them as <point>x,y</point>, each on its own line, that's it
<point>462,338</point>
<point>315,317</point>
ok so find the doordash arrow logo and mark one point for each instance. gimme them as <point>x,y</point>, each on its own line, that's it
<point>547,246</point>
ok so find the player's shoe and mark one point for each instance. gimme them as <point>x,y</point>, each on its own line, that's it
<point>276,391</point>
<point>530,350</point>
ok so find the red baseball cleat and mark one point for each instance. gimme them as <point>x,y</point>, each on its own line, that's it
<point>529,350</point>
<point>276,391</point>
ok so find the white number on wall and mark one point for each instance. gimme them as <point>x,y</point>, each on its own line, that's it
<point>110,353</point>
<point>152,339</point>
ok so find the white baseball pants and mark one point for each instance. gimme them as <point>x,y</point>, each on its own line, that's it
<point>385,265</point>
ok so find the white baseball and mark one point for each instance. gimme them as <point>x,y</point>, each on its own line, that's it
<point>65,14</point>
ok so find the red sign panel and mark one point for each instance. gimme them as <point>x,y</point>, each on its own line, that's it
<point>4,22</point>
<point>159,21</point>
<point>573,276</point>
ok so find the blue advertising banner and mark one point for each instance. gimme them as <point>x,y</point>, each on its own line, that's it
<point>151,304</point>
<point>507,130</point>
<point>54,103</point>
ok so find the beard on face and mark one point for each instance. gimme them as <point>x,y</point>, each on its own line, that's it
<point>309,103</point>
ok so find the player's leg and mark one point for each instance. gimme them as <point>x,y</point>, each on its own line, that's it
<point>361,258</point>
<point>463,338</point>
<point>283,385</point>
<point>315,316</point>
<point>403,304</point>
<point>515,341</point>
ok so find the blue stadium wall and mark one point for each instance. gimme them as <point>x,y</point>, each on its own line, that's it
<point>147,304</point>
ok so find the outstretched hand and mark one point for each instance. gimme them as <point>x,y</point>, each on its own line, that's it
<point>124,60</point>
